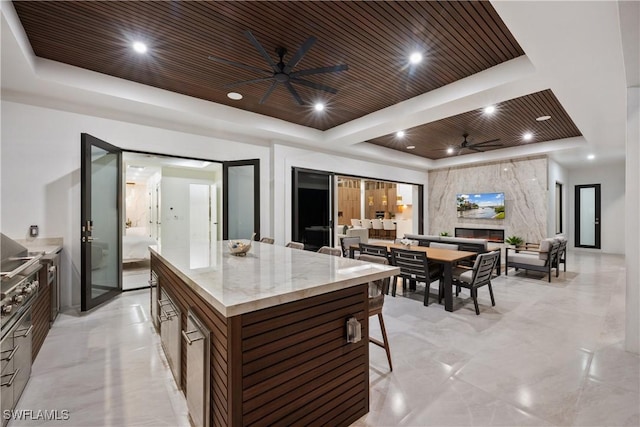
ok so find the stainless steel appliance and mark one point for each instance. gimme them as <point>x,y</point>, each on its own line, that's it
<point>198,351</point>
<point>19,287</point>
<point>170,333</point>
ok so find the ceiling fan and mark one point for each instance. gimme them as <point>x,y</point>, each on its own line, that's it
<point>477,146</point>
<point>281,73</point>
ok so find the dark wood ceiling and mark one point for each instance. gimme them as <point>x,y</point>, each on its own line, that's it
<point>508,123</point>
<point>374,38</point>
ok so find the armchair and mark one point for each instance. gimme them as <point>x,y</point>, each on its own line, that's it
<point>541,259</point>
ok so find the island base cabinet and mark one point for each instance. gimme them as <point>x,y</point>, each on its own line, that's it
<point>289,364</point>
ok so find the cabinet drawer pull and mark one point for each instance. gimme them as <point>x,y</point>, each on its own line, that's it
<point>26,334</point>
<point>13,353</point>
<point>13,377</point>
<point>189,340</point>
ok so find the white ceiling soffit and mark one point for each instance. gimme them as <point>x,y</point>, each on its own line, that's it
<point>577,53</point>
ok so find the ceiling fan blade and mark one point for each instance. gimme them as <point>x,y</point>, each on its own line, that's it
<point>487,142</point>
<point>244,82</point>
<point>299,54</point>
<point>239,65</point>
<point>266,95</point>
<point>260,49</point>
<point>321,70</point>
<point>314,85</point>
<point>475,149</point>
<point>294,93</point>
<point>492,146</point>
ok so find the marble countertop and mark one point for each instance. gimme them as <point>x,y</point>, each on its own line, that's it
<point>267,276</point>
<point>47,245</point>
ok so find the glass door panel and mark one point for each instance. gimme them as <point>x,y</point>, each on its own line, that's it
<point>101,229</point>
<point>588,216</point>
<point>312,208</point>
<point>241,199</point>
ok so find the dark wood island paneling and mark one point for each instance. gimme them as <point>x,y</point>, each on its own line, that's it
<point>289,364</point>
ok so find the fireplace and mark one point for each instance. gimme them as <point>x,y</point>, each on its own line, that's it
<point>491,234</point>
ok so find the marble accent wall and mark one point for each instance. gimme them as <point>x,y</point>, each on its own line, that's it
<point>525,187</point>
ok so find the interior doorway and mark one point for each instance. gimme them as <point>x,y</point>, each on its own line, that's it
<point>171,201</point>
<point>312,208</point>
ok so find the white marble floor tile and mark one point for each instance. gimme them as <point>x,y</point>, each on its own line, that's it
<point>546,354</point>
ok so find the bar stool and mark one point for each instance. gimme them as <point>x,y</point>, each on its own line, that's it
<point>356,222</point>
<point>389,227</point>
<point>366,223</point>
<point>376,224</point>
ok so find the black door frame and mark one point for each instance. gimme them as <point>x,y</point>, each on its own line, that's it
<point>598,221</point>
<point>256,194</point>
<point>86,142</point>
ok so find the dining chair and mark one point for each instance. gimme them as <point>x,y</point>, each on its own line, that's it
<point>330,251</point>
<point>295,245</point>
<point>476,277</point>
<point>366,249</point>
<point>414,266</point>
<point>346,242</point>
<point>268,240</point>
<point>377,291</point>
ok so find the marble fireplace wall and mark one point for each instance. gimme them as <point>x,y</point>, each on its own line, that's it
<point>525,187</point>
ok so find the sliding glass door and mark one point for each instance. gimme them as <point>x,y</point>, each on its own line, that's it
<point>241,199</point>
<point>312,207</point>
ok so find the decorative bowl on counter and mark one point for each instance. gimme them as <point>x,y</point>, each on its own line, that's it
<point>240,247</point>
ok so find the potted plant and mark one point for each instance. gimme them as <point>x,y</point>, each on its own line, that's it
<point>514,241</point>
<point>445,234</point>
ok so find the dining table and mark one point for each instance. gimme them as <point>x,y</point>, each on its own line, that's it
<point>447,257</point>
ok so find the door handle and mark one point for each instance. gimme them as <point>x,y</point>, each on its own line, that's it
<point>13,377</point>
<point>189,340</point>
<point>13,352</point>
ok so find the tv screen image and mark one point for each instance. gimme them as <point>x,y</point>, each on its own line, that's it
<point>481,205</point>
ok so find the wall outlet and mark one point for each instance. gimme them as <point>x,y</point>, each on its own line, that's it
<point>354,330</point>
<point>33,231</point>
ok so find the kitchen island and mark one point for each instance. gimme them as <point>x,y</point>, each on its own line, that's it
<point>276,328</point>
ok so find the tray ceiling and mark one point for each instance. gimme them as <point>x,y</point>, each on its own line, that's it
<point>375,39</point>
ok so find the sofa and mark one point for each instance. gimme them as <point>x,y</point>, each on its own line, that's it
<point>456,243</point>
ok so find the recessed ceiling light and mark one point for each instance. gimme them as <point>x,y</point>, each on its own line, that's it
<point>415,58</point>
<point>450,150</point>
<point>400,134</point>
<point>235,96</point>
<point>543,118</point>
<point>411,147</point>
<point>319,106</point>
<point>490,109</point>
<point>139,47</point>
<point>527,136</point>
<point>591,156</point>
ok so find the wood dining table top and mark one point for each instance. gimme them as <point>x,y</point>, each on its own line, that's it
<point>435,254</point>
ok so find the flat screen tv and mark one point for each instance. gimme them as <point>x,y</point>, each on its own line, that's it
<point>480,205</point>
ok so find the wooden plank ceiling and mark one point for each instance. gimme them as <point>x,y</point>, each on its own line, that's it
<point>510,121</point>
<point>373,38</point>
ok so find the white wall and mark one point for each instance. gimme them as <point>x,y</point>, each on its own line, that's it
<point>558,174</point>
<point>286,158</point>
<point>632,336</point>
<point>40,172</point>
<point>611,178</point>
